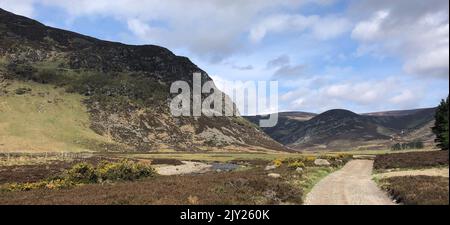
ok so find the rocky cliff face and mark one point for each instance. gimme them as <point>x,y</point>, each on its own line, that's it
<point>127,87</point>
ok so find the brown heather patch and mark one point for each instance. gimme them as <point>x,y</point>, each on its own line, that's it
<point>240,187</point>
<point>418,190</point>
<point>38,172</point>
<point>411,160</point>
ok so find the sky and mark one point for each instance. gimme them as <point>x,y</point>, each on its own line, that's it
<point>360,55</point>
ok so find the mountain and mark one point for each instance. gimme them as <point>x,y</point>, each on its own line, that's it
<point>121,93</point>
<point>341,129</point>
<point>288,122</point>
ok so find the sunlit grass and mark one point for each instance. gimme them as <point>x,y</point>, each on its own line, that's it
<point>45,119</point>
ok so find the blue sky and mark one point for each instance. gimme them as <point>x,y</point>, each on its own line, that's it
<point>361,55</point>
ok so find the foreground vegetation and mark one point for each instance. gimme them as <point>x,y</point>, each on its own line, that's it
<point>85,173</point>
<point>418,190</point>
<point>97,183</point>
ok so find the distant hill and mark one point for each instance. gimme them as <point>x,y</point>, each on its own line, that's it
<point>288,122</point>
<point>341,129</point>
<point>123,94</point>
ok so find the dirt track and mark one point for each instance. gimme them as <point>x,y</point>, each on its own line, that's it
<point>351,185</point>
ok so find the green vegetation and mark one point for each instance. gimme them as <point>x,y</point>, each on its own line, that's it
<point>84,173</point>
<point>45,118</point>
<point>105,87</point>
<point>296,164</point>
<point>440,128</point>
<point>408,145</point>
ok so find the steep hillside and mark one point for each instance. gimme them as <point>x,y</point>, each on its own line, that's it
<point>125,88</point>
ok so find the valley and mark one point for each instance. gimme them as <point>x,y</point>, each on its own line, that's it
<point>87,121</point>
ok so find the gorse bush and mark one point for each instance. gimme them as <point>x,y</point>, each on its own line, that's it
<point>81,173</point>
<point>335,160</point>
<point>124,170</point>
<point>296,164</point>
<point>277,162</point>
<point>84,173</point>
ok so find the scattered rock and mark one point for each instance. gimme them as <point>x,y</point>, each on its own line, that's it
<point>270,167</point>
<point>299,170</point>
<point>22,91</point>
<point>274,175</point>
<point>270,194</point>
<point>321,162</point>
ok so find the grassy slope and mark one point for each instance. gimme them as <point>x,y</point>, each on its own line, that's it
<point>45,119</point>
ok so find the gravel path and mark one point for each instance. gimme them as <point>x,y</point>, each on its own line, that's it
<point>351,185</point>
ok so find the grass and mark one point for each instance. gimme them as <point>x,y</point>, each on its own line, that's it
<point>45,119</point>
<point>417,190</point>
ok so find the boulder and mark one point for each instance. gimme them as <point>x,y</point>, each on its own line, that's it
<point>299,170</point>
<point>270,167</point>
<point>274,175</point>
<point>321,162</point>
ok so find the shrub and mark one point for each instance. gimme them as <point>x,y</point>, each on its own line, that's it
<point>59,184</point>
<point>277,162</point>
<point>25,186</point>
<point>124,170</point>
<point>295,165</point>
<point>310,159</point>
<point>81,173</point>
<point>409,145</point>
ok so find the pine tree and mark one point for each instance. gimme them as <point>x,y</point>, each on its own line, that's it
<point>440,128</point>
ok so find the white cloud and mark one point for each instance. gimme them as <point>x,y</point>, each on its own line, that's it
<point>21,7</point>
<point>210,29</point>
<point>406,97</point>
<point>357,95</point>
<point>415,31</point>
<point>282,60</point>
<point>143,30</point>
<point>322,28</point>
<point>370,29</point>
